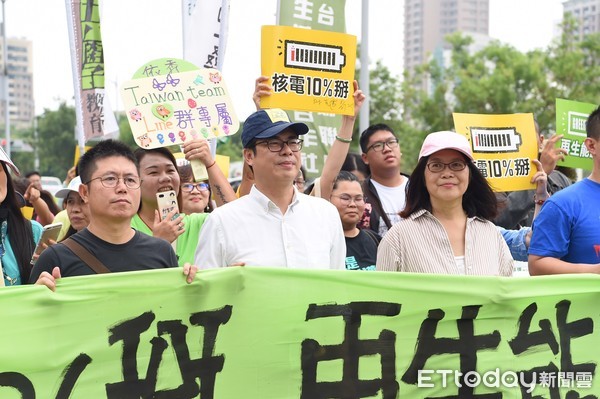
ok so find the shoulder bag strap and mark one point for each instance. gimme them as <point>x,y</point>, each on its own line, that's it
<point>376,202</point>
<point>86,256</point>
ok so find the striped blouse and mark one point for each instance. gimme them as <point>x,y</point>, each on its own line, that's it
<point>420,244</point>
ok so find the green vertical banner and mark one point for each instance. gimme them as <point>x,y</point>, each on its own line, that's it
<point>266,333</point>
<point>94,114</point>
<point>571,117</point>
<point>316,14</point>
<point>323,127</point>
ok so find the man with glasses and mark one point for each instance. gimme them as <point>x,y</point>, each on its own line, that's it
<point>274,225</point>
<point>384,188</point>
<point>111,188</point>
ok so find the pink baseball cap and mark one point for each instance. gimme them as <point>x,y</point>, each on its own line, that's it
<point>445,140</point>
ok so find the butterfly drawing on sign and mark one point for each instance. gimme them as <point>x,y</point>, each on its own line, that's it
<point>158,85</point>
<point>171,81</point>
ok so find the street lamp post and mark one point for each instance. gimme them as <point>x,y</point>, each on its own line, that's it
<point>364,66</point>
<point>36,158</point>
<point>6,95</point>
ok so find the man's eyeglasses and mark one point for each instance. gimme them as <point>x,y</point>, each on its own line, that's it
<point>346,199</point>
<point>455,166</point>
<point>275,145</point>
<point>378,146</point>
<point>189,187</point>
<point>111,181</point>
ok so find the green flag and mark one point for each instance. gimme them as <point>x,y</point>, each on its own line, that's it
<point>260,333</point>
<point>571,117</point>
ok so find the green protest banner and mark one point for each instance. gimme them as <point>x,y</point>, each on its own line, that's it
<point>571,117</point>
<point>278,333</point>
<point>94,114</point>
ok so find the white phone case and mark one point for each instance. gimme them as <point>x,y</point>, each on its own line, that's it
<point>167,202</point>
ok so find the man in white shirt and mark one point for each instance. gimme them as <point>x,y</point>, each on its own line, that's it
<point>275,225</point>
<point>384,188</point>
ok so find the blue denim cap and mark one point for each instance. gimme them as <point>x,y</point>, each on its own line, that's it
<point>267,123</point>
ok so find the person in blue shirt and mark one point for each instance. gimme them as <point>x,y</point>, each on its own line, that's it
<point>566,233</point>
<point>517,241</point>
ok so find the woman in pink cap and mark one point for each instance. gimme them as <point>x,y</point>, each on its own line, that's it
<point>447,226</point>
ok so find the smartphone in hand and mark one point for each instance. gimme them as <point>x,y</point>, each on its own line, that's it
<point>50,232</point>
<point>167,202</point>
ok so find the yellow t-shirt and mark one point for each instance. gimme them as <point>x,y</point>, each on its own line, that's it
<point>63,218</point>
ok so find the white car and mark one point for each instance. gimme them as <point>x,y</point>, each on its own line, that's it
<point>51,184</point>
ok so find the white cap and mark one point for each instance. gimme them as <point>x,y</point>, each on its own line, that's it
<point>4,158</point>
<point>73,186</point>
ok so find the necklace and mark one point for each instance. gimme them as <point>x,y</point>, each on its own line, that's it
<point>9,279</point>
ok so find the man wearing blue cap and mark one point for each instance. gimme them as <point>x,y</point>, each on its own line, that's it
<point>272,226</point>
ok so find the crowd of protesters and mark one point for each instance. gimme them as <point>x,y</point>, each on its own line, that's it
<point>362,213</point>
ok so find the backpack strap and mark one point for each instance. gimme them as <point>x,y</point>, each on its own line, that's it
<point>86,256</point>
<point>373,198</point>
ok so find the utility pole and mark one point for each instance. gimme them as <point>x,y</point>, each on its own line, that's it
<point>36,159</point>
<point>364,66</point>
<point>6,95</point>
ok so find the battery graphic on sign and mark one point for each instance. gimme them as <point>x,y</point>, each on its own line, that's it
<point>318,57</point>
<point>577,123</point>
<point>495,139</point>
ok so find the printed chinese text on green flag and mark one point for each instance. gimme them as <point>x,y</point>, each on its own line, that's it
<point>260,333</point>
<point>571,117</point>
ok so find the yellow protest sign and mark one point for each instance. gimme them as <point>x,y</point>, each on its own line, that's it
<point>309,70</point>
<point>27,212</point>
<point>503,147</point>
<point>223,163</point>
<point>78,155</point>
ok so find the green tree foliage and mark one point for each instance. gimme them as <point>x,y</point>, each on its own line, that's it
<point>56,141</point>
<point>385,104</point>
<point>23,160</point>
<point>125,134</point>
<point>231,146</point>
<point>384,90</point>
<point>496,80</point>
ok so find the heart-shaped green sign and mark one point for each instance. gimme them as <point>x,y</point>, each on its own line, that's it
<point>162,111</point>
